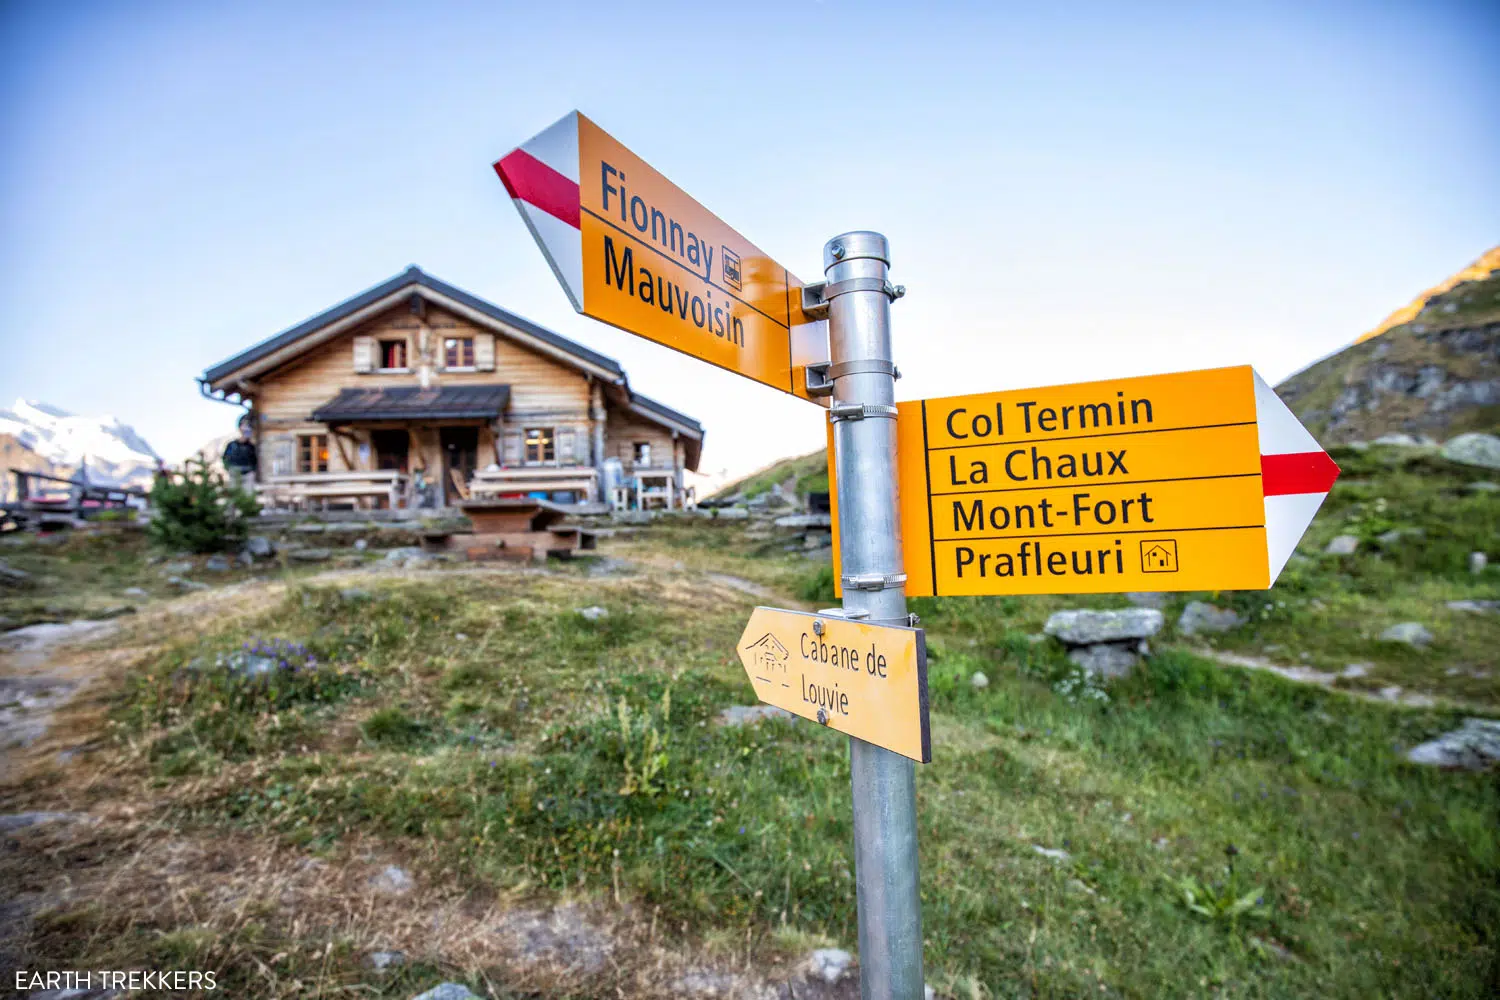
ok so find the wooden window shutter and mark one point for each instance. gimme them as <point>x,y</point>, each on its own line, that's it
<point>364,354</point>
<point>512,448</point>
<point>484,352</point>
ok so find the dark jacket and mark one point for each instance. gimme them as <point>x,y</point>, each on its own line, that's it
<point>239,456</point>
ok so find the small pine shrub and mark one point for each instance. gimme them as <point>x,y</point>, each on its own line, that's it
<point>198,510</point>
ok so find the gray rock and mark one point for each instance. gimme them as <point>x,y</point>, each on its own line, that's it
<point>380,961</point>
<point>748,715</point>
<point>135,592</point>
<point>1484,486</point>
<point>1354,671</point>
<point>1477,562</point>
<point>1479,607</point>
<point>1411,633</point>
<point>184,584</point>
<point>216,564</point>
<point>361,544</point>
<point>12,577</point>
<point>392,881</point>
<point>731,513</point>
<point>355,595</point>
<point>20,821</point>
<point>1473,746</point>
<point>177,568</point>
<point>245,559</point>
<point>829,964</point>
<point>310,528</point>
<point>404,553</point>
<point>1397,441</point>
<point>311,555</point>
<point>1145,600</point>
<point>1343,545</point>
<point>1395,535</point>
<point>562,937</point>
<point>1198,618</point>
<point>592,613</point>
<point>804,521</point>
<point>447,991</point>
<point>1106,659</point>
<point>260,547</point>
<point>979,681</point>
<point>1085,627</point>
<point>1482,450</point>
<point>1054,853</point>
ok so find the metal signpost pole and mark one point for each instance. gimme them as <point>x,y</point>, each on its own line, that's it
<point>884,783</point>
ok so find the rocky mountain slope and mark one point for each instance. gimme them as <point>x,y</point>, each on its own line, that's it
<point>1432,369</point>
<point>36,437</point>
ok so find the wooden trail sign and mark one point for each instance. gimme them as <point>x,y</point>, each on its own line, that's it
<point>631,249</point>
<point>1194,481</point>
<point>868,681</point>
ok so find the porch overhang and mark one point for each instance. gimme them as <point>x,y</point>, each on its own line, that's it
<point>454,402</point>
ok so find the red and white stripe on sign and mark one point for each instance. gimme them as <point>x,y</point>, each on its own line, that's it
<point>541,177</point>
<point>1296,474</point>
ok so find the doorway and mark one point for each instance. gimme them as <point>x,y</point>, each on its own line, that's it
<point>392,449</point>
<point>460,459</point>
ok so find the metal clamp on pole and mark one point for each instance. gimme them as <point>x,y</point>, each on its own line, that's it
<point>859,411</point>
<point>817,379</point>
<point>856,298</point>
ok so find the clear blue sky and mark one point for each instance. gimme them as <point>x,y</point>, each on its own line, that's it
<point>1070,193</point>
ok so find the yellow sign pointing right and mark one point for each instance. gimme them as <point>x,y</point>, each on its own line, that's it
<point>868,681</point>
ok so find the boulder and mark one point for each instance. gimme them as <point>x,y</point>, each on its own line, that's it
<point>1343,545</point>
<point>1477,562</point>
<point>829,964</point>
<point>311,555</point>
<point>1106,659</point>
<point>1151,600</point>
<point>380,961</point>
<point>592,613</point>
<point>1473,746</point>
<point>1482,450</point>
<point>979,681</point>
<point>731,513</point>
<point>1398,441</point>
<point>182,583</point>
<point>447,991</point>
<point>216,564</point>
<point>12,577</point>
<point>1484,486</point>
<point>260,547</point>
<point>746,715</point>
<point>177,568</point>
<point>135,592</point>
<point>392,881</point>
<point>1480,607</point>
<point>1411,633</point>
<point>1084,627</point>
<point>1199,617</point>
<point>804,521</point>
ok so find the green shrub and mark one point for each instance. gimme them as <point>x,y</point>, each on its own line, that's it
<point>197,510</point>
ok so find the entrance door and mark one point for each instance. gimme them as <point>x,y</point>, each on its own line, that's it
<point>392,448</point>
<point>460,459</point>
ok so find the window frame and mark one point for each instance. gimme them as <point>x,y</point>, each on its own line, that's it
<point>546,443</point>
<point>637,448</point>
<point>380,345</point>
<point>459,343</point>
<point>310,454</point>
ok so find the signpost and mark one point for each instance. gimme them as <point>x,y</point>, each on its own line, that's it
<point>864,680</point>
<point>633,250</point>
<point>1194,481</point>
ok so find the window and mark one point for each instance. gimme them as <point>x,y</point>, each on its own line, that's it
<point>642,453</point>
<point>312,452</point>
<point>393,354</point>
<point>539,447</point>
<point>458,352</point>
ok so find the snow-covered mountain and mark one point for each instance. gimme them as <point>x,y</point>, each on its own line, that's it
<point>114,454</point>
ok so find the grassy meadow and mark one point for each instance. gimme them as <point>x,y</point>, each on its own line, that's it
<point>1197,830</point>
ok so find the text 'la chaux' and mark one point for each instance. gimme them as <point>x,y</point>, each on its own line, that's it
<point>693,253</point>
<point>1031,465</point>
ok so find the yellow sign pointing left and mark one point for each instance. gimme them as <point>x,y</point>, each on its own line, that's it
<point>868,681</point>
<point>634,250</point>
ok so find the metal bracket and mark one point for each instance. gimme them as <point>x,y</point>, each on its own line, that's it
<point>863,367</point>
<point>853,614</point>
<point>818,382</point>
<point>859,411</point>
<point>818,294</point>
<point>874,581</point>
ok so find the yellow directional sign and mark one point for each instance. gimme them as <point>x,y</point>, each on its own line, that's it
<point>633,250</point>
<point>868,681</point>
<point>1192,481</point>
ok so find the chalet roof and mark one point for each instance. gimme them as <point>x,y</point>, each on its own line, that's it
<point>271,353</point>
<point>452,402</point>
<point>413,277</point>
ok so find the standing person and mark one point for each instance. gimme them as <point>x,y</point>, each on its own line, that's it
<point>240,456</point>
